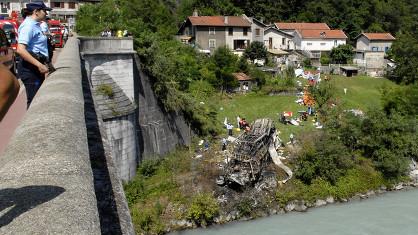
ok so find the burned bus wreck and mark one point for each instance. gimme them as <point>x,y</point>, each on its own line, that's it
<point>252,152</point>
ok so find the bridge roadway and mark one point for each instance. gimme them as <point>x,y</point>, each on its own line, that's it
<point>47,185</point>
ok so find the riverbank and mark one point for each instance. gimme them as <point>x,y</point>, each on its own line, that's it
<point>179,192</point>
<point>299,206</point>
<point>388,214</point>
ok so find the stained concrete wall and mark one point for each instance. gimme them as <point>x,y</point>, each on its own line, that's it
<point>121,133</point>
<point>118,114</point>
<point>160,132</point>
<point>110,61</point>
<point>118,66</point>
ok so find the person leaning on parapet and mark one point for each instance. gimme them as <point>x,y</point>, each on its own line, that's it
<point>65,34</point>
<point>33,49</point>
<point>51,47</point>
<point>9,89</point>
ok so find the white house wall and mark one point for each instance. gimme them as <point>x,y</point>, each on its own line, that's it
<point>277,41</point>
<point>320,45</point>
<point>364,44</point>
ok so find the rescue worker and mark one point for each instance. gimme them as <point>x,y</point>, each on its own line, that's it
<point>65,34</point>
<point>119,33</point>
<point>51,47</point>
<point>33,49</point>
<point>292,139</point>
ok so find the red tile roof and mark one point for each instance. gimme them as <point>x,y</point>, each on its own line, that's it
<point>379,36</point>
<point>219,21</point>
<point>301,26</point>
<point>241,77</point>
<point>318,34</point>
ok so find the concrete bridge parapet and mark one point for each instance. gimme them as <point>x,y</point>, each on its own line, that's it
<point>104,45</point>
<point>47,178</point>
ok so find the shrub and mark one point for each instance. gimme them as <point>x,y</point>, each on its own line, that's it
<point>258,75</point>
<point>203,208</point>
<point>319,189</point>
<point>359,179</point>
<point>134,191</point>
<point>342,54</point>
<point>105,90</point>
<point>148,219</point>
<point>244,207</point>
<point>148,167</point>
<point>327,159</point>
<point>389,141</point>
<point>325,59</point>
<point>201,90</point>
<point>307,62</point>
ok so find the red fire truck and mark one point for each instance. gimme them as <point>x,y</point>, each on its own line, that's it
<point>55,27</point>
<point>10,29</point>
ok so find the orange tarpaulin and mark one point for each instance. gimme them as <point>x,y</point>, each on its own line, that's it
<point>308,99</point>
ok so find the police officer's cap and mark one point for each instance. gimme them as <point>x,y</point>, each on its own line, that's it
<point>37,6</point>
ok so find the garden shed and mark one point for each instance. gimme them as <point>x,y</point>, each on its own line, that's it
<point>245,82</point>
<point>349,71</point>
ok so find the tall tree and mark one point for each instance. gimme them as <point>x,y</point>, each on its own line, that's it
<point>256,50</point>
<point>342,54</point>
<point>404,52</point>
<point>224,62</point>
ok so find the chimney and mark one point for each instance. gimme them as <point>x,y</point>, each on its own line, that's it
<point>226,19</point>
<point>195,13</point>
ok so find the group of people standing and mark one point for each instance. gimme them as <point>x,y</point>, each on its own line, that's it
<point>119,33</point>
<point>35,54</point>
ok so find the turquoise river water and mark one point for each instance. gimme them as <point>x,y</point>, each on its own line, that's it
<point>391,213</point>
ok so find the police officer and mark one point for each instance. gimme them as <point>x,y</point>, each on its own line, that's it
<point>33,49</point>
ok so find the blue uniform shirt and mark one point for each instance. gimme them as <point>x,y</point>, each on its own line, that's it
<point>31,35</point>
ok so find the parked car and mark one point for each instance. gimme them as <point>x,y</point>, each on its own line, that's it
<point>7,55</point>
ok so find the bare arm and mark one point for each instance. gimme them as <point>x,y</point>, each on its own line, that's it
<point>21,50</point>
<point>9,89</point>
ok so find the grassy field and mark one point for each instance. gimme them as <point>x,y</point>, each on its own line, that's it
<point>362,93</point>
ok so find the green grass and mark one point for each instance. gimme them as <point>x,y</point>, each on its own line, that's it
<point>362,93</point>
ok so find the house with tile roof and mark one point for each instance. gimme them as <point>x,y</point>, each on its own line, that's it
<point>257,28</point>
<point>294,26</point>
<point>210,32</point>
<point>374,42</point>
<point>319,39</point>
<point>245,82</point>
<point>278,39</point>
<point>371,50</point>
